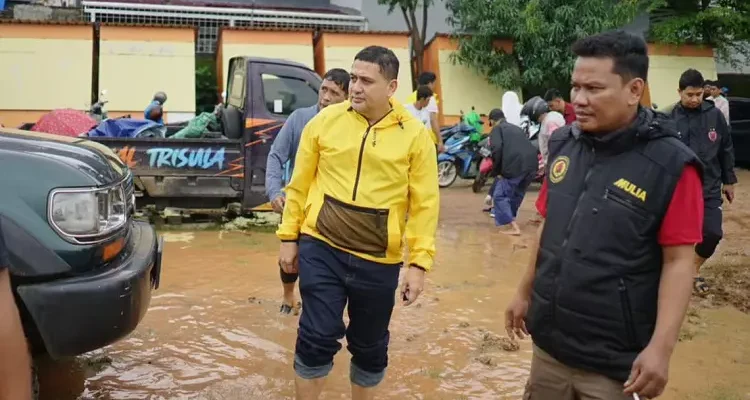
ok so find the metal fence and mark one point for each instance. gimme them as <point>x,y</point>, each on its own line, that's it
<point>209,20</point>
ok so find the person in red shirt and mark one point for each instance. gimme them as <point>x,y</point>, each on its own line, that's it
<point>555,101</point>
<point>611,269</point>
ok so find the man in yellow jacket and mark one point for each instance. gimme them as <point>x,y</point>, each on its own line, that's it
<point>361,167</point>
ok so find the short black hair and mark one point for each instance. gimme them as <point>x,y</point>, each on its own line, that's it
<point>383,57</point>
<point>424,92</point>
<point>691,78</point>
<point>628,52</point>
<point>496,114</point>
<point>340,77</point>
<point>427,77</point>
<point>552,94</point>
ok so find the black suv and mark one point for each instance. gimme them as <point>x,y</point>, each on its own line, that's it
<point>82,270</point>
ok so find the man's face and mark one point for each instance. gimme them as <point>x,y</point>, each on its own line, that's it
<point>369,88</point>
<point>715,91</point>
<point>330,93</point>
<point>422,103</point>
<point>603,101</point>
<point>431,85</point>
<point>691,97</point>
<point>557,105</point>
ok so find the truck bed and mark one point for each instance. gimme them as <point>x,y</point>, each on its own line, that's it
<point>195,170</point>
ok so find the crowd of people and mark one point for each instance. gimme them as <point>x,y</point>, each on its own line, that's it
<point>630,208</point>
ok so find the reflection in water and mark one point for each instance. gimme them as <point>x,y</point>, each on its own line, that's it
<point>213,330</point>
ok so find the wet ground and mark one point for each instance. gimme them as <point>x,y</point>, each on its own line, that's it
<point>213,330</point>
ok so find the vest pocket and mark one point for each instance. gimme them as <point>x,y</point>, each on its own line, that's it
<point>617,198</point>
<point>360,229</point>
<point>627,315</point>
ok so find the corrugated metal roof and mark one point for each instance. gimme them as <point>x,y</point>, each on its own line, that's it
<point>289,5</point>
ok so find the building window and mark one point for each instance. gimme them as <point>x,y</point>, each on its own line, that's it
<point>284,94</point>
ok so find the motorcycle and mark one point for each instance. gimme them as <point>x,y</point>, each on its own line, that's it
<point>481,179</point>
<point>532,130</point>
<point>460,159</point>
<point>461,127</point>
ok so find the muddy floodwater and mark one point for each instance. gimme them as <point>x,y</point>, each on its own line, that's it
<point>213,330</point>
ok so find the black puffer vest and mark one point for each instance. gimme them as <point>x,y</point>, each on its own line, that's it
<point>594,298</point>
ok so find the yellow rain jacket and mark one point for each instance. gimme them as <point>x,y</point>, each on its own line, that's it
<point>353,184</point>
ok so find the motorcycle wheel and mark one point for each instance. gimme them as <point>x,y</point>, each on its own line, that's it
<point>447,173</point>
<point>479,183</point>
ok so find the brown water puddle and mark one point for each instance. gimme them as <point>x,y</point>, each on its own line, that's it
<point>213,330</point>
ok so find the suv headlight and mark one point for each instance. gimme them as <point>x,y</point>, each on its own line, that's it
<point>83,214</point>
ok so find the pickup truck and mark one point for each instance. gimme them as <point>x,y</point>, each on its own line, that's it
<point>214,173</point>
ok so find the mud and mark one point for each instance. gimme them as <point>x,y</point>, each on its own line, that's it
<point>213,330</point>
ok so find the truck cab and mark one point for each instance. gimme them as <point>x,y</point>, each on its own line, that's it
<point>214,173</point>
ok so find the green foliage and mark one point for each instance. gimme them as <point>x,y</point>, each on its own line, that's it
<point>408,4</point>
<point>417,27</point>
<point>206,89</point>
<point>722,24</point>
<point>542,32</point>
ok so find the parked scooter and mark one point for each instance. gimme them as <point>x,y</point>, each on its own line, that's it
<point>460,159</point>
<point>532,129</point>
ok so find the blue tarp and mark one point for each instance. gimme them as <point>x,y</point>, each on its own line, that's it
<point>128,128</point>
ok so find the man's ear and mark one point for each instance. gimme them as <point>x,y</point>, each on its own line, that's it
<point>392,87</point>
<point>637,86</point>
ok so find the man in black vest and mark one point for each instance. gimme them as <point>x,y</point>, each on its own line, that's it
<point>611,273</point>
<point>704,129</point>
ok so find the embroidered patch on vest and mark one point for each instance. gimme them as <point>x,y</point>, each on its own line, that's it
<point>559,169</point>
<point>631,189</point>
<point>712,135</point>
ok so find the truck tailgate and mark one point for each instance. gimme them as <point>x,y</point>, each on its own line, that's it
<point>183,167</point>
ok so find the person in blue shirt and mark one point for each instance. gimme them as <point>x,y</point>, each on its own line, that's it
<point>334,89</point>
<point>155,110</point>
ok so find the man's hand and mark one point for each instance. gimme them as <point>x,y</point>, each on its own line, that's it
<point>278,204</point>
<point>650,372</point>
<point>729,193</point>
<point>288,260</point>
<point>515,315</point>
<point>413,285</point>
<point>441,148</point>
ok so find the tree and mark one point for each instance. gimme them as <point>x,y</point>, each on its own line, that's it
<point>417,30</point>
<point>542,32</point>
<point>722,24</point>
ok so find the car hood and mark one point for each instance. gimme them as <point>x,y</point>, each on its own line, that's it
<point>94,160</point>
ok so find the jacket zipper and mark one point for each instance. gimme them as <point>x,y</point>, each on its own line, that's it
<point>362,152</point>
<point>567,231</point>
<point>627,313</point>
